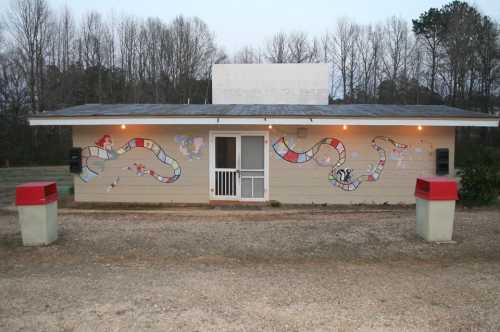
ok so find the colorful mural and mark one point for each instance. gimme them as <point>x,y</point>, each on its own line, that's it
<point>291,143</point>
<point>190,146</point>
<point>113,184</point>
<point>104,151</point>
<point>423,148</point>
<point>340,177</point>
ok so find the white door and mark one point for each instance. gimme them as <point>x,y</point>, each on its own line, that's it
<point>239,166</point>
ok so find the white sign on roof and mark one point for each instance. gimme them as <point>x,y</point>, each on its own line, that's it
<point>292,84</point>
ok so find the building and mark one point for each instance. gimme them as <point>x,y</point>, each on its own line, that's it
<point>270,135</point>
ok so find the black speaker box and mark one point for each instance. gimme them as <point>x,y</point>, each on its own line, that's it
<point>442,161</point>
<point>75,160</point>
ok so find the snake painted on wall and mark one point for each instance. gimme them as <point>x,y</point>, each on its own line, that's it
<point>103,150</point>
<point>338,176</point>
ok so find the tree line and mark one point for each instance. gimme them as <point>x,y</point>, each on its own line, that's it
<point>49,59</point>
<point>446,55</point>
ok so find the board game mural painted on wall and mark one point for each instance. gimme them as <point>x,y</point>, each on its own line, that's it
<point>344,178</point>
<point>104,151</point>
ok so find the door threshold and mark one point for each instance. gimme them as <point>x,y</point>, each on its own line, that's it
<point>235,203</point>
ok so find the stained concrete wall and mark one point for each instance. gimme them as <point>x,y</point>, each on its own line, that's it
<point>289,183</point>
<point>299,84</point>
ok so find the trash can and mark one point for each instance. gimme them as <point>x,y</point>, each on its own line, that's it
<point>37,207</point>
<point>435,200</point>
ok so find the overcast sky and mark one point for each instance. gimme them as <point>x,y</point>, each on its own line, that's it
<point>237,23</point>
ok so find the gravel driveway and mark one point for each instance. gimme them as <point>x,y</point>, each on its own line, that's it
<point>310,269</point>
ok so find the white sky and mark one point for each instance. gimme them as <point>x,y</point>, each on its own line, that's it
<point>238,23</point>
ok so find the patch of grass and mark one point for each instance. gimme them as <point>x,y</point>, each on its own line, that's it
<point>13,176</point>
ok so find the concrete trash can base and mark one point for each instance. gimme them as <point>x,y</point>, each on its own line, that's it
<point>435,220</point>
<point>38,224</point>
<point>37,207</point>
<point>435,208</point>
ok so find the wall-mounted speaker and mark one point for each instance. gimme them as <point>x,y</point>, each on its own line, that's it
<point>75,160</point>
<point>442,161</point>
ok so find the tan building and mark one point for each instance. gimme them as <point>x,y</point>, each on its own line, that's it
<point>294,153</point>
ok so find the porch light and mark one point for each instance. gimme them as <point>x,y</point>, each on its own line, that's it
<point>123,127</point>
<point>270,126</point>
<point>419,127</point>
<point>344,127</point>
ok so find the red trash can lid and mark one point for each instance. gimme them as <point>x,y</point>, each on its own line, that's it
<point>36,193</point>
<point>436,189</point>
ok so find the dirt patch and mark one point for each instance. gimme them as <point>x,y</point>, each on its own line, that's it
<point>287,269</point>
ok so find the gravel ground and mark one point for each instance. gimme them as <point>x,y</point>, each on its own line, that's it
<point>241,270</point>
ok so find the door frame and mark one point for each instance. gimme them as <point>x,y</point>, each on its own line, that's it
<point>211,159</point>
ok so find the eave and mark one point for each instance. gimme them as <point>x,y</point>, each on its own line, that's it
<point>295,121</point>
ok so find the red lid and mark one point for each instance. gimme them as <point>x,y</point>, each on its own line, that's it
<point>36,193</point>
<point>436,189</point>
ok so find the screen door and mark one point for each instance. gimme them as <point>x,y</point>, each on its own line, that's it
<point>239,163</point>
<point>252,167</point>
<point>226,170</point>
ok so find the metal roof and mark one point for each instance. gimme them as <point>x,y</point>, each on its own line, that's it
<point>210,110</point>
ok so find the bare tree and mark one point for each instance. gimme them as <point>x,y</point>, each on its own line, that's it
<point>325,56</point>
<point>193,46</point>
<point>353,62</point>
<point>315,51</point>
<point>67,28</point>
<point>2,38</point>
<point>298,47</point>
<point>93,32</point>
<point>128,34</point>
<point>343,52</point>
<point>62,35</point>
<point>366,59</point>
<point>325,48</point>
<point>28,25</point>
<point>92,35</point>
<point>396,32</point>
<point>377,51</point>
<point>152,31</point>
<point>165,61</point>
<point>246,55</point>
<point>416,57</point>
<point>276,48</point>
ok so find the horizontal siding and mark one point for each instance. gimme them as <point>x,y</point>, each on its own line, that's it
<point>308,183</point>
<point>145,198</point>
<point>191,187</point>
<point>289,183</point>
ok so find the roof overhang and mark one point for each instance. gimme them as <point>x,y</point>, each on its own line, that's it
<point>301,121</point>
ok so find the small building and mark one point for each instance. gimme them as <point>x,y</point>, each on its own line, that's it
<point>270,135</point>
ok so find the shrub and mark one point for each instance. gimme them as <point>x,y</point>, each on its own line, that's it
<point>275,204</point>
<point>480,179</point>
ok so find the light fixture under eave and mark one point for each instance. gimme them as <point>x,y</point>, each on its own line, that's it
<point>419,127</point>
<point>270,126</point>
<point>344,127</point>
<point>123,127</point>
